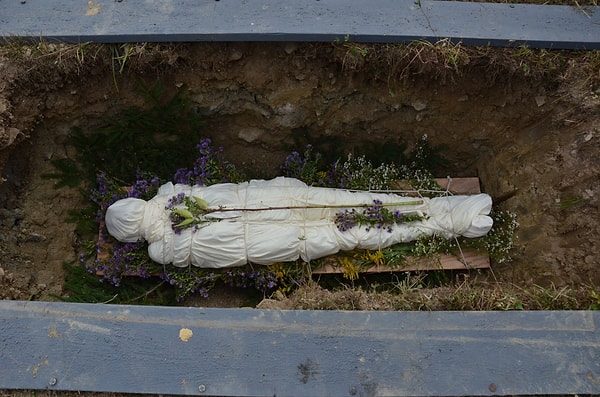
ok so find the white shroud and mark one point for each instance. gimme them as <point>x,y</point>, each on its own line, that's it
<point>284,234</point>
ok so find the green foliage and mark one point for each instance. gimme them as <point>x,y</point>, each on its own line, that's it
<point>155,139</point>
<point>395,255</point>
<point>359,170</point>
<point>84,220</point>
<point>188,212</point>
<point>424,156</point>
<point>497,243</point>
<point>423,162</point>
<point>307,167</point>
<point>67,173</point>
<point>163,137</point>
<point>428,157</point>
<point>329,148</point>
<point>595,300</point>
<point>388,152</point>
<point>158,138</point>
<point>81,286</point>
<point>191,280</point>
<point>119,56</point>
<point>553,298</point>
<point>567,202</point>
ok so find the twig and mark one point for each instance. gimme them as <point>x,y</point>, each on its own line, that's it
<point>146,293</point>
<point>110,300</point>
<point>395,204</point>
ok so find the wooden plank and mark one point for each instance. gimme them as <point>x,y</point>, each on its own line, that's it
<point>468,259</point>
<point>460,185</point>
<point>251,352</point>
<point>384,21</point>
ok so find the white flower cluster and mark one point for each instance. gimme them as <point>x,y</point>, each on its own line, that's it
<point>361,173</point>
<point>428,246</point>
<point>420,179</point>
<point>500,240</point>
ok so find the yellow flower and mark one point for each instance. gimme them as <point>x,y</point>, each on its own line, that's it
<point>278,269</point>
<point>375,257</point>
<point>350,267</point>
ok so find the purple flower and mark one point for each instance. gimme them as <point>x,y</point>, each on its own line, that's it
<point>397,215</point>
<point>208,168</point>
<point>345,220</point>
<point>175,200</point>
<point>127,259</point>
<point>373,216</point>
<point>182,175</point>
<point>262,280</point>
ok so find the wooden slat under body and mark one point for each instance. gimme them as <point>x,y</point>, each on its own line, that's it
<point>460,185</point>
<point>251,352</point>
<point>468,259</point>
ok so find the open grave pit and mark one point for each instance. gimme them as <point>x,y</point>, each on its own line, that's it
<point>528,130</point>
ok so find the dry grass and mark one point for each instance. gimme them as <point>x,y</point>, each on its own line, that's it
<point>410,294</point>
<point>39,63</point>
<point>447,61</point>
<point>443,60</point>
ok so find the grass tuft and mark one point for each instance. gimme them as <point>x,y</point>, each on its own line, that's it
<point>412,292</point>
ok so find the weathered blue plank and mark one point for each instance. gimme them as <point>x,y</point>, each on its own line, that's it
<point>250,352</point>
<point>388,21</point>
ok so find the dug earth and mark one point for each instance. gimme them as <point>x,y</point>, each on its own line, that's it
<point>529,131</point>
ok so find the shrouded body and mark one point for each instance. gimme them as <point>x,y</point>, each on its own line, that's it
<point>283,219</point>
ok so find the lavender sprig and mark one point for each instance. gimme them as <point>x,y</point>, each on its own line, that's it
<point>374,216</point>
<point>209,168</point>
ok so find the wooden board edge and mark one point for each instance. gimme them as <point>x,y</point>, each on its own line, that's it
<point>470,259</point>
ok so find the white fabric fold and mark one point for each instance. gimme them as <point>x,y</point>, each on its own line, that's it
<point>267,221</point>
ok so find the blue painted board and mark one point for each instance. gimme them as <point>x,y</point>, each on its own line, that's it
<point>251,352</point>
<point>385,21</point>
